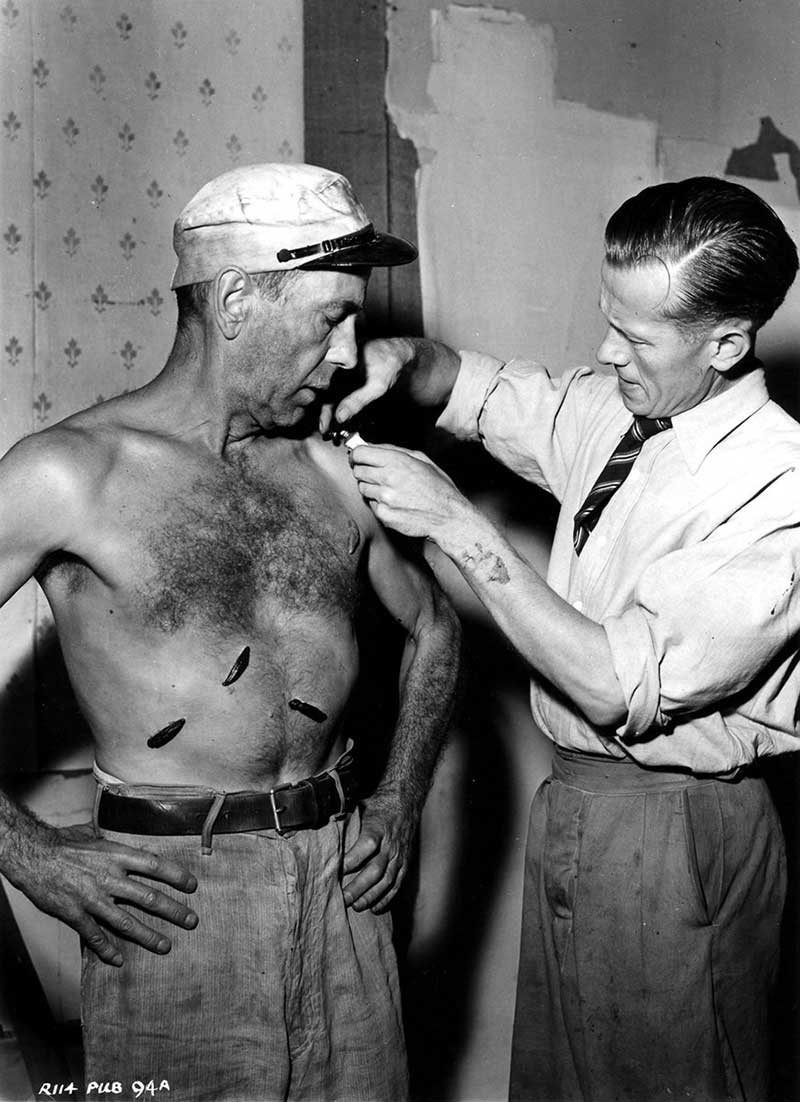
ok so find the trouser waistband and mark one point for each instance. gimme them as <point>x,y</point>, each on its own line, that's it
<point>600,773</point>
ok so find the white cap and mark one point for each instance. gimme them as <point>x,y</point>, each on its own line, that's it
<point>273,217</point>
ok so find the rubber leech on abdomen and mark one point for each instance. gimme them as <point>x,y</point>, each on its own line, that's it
<point>165,735</point>
<point>238,667</point>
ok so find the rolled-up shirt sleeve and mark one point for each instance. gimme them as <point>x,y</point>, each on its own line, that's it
<point>476,379</point>
<point>532,422</point>
<point>707,621</point>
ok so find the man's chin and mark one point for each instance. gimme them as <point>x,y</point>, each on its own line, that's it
<point>638,408</point>
<point>298,422</point>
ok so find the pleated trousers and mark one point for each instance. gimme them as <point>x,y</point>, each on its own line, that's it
<point>650,937</point>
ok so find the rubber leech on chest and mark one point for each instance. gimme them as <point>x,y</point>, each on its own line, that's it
<point>309,710</point>
<point>238,667</point>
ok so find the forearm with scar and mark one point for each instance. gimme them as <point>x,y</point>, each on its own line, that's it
<point>559,642</point>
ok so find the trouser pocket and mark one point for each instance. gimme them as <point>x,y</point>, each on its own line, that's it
<point>705,848</point>
<point>560,811</point>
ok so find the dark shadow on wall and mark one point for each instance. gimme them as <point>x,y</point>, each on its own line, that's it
<point>41,722</point>
<point>783,776</point>
<point>783,382</point>
<point>41,725</point>
<point>439,981</point>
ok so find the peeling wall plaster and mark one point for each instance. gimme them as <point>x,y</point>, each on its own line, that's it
<point>514,189</point>
<point>703,70</point>
<point>515,183</point>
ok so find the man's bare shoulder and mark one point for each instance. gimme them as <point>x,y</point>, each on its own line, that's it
<point>59,470</point>
<point>64,454</point>
<point>397,570</point>
<point>49,482</point>
<point>334,461</point>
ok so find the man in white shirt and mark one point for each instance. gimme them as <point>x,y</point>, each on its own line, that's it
<point>663,644</point>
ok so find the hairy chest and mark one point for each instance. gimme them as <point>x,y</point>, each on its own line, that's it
<point>229,552</point>
<point>224,550</point>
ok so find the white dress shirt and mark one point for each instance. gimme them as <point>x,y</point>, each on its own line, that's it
<point>693,569</point>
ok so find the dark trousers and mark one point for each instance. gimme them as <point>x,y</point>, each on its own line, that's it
<point>650,936</point>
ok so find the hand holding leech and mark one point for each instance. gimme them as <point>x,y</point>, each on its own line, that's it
<point>407,491</point>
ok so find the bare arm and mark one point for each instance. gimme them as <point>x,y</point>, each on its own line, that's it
<point>556,640</point>
<point>70,873</point>
<point>423,370</point>
<point>379,858</point>
<point>410,494</point>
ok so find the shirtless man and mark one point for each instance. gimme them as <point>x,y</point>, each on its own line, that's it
<point>203,552</point>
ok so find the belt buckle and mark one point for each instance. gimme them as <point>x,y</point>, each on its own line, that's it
<point>319,786</point>
<point>276,811</point>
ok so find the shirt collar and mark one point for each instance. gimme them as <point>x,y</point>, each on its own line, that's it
<point>699,429</point>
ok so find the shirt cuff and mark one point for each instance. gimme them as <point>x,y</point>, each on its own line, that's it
<point>636,667</point>
<point>474,382</point>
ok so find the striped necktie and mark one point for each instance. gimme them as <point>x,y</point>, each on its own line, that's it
<point>613,475</point>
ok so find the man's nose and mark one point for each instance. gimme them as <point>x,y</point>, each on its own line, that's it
<point>343,349</point>
<point>612,350</point>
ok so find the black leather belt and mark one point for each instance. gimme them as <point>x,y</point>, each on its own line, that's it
<point>304,805</point>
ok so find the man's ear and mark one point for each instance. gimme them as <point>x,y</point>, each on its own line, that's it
<point>231,299</point>
<point>730,343</point>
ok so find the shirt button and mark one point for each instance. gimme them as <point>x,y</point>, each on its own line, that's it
<point>578,606</point>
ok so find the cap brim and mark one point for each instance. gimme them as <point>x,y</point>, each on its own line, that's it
<point>381,251</point>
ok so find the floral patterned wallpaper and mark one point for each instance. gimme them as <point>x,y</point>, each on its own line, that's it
<point>112,114</point>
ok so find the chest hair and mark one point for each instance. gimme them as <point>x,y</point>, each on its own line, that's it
<point>225,551</point>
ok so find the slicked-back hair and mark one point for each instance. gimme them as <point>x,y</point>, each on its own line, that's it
<point>726,252</point>
<point>192,299</point>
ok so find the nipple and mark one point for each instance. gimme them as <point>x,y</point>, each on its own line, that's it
<point>353,537</point>
<point>165,735</point>
<point>238,667</point>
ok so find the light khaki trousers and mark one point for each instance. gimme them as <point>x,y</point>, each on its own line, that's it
<point>650,939</point>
